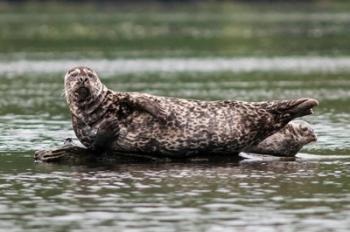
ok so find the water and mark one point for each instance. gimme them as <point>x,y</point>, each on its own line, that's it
<point>247,64</point>
<point>250,197</point>
<point>259,52</point>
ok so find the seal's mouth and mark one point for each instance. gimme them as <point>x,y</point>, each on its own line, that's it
<point>82,93</point>
<point>313,139</point>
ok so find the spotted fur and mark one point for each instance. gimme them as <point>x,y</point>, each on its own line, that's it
<point>144,123</point>
<point>286,142</point>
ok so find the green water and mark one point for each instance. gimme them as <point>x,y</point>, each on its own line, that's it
<point>303,195</point>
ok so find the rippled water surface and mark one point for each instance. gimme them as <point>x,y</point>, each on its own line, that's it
<point>300,196</point>
<point>222,51</point>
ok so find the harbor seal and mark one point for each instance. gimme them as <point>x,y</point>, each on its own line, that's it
<point>143,123</point>
<point>286,142</point>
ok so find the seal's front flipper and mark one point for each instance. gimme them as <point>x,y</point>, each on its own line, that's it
<point>155,110</point>
<point>106,133</point>
<point>150,105</point>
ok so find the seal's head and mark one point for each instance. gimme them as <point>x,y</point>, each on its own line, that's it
<point>286,142</point>
<point>302,131</point>
<point>81,84</point>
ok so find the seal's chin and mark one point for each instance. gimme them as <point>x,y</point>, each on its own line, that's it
<point>82,93</point>
<point>310,139</point>
<point>313,139</point>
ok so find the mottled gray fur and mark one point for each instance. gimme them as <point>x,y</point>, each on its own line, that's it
<point>144,123</point>
<point>286,142</point>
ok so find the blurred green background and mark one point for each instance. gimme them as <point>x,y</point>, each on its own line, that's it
<point>110,29</point>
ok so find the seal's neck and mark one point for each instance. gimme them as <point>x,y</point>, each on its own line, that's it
<point>86,110</point>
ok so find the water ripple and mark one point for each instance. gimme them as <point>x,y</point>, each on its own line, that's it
<point>186,196</point>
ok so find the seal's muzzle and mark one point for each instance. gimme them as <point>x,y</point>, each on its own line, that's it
<point>82,93</point>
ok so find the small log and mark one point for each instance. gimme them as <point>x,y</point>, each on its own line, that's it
<point>77,155</point>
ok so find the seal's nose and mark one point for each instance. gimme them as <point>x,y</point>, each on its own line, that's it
<point>83,79</point>
<point>314,138</point>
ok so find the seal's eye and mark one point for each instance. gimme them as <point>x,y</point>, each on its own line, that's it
<point>90,75</point>
<point>304,129</point>
<point>74,74</point>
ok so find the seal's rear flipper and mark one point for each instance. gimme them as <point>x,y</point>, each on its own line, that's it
<point>287,110</point>
<point>302,107</point>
